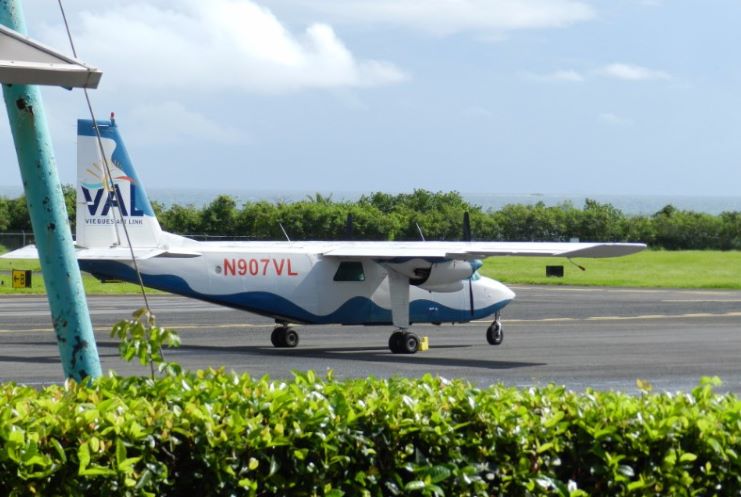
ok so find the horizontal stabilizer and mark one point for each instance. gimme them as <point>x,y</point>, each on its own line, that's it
<point>105,254</point>
<point>116,254</point>
<point>27,252</point>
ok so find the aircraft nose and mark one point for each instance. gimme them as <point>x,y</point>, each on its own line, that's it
<point>504,291</point>
<point>499,292</point>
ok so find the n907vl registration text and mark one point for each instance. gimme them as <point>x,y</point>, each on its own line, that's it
<point>267,266</point>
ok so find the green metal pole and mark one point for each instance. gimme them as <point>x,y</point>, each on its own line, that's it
<point>51,229</point>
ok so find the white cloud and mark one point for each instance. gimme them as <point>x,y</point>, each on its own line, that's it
<point>625,72</point>
<point>451,16</point>
<point>215,46</point>
<point>613,119</point>
<point>565,76</point>
<point>629,72</point>
<point>170,122</point>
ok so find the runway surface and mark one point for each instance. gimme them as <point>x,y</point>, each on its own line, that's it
<point>579,337</point>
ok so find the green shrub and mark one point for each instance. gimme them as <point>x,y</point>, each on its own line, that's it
<point>214,433</point>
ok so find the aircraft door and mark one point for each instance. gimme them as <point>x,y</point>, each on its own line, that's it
<point>345,294</point>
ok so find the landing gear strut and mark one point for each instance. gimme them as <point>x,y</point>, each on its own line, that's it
<point>284,337</point>
<point>403,342</point>
<point>494,333</point>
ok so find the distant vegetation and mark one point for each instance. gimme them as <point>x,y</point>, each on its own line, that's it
<point>382,216</point>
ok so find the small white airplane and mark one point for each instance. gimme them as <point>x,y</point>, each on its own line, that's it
<point>349,283</point>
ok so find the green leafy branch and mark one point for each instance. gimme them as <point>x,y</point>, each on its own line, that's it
<point>141,338</point>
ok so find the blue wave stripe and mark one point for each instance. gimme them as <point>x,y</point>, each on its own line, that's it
<point>357,310</point>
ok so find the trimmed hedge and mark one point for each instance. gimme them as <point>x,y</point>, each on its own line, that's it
<point>214,433</point>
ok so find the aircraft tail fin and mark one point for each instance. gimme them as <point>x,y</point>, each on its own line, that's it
<point>109,196</point>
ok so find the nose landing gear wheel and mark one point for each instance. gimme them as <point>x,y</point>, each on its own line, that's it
<point>284,337</point>
<point>403,342</point>
<point>494,333</point>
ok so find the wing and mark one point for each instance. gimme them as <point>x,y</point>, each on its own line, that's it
<point>479,250</point>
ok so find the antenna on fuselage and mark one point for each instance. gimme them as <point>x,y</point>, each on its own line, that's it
<point>421,235</point>
<point>349,226</point>
<point>284,232</point>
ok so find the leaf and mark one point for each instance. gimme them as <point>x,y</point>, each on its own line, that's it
<point>687,457</point>
<point>83,455</point>
<point>414,485</point>
<point>636,485</point>
<point>670,459</point>
<point>644,385</point>
<point>626,471</point>
<point>715,445</point>
<point>144,480</point>
<point>274,467</point>
<point>438,473</point>
<point>139,313</point>
<point>545,482</point>
<point>16,436</point>
<point>127,465</point>
<point>98,471</point>
<point>545,447</point>
<point>59,449</point>
<point>120,452</point>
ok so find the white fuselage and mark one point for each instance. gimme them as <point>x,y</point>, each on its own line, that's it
<point>293,282</point>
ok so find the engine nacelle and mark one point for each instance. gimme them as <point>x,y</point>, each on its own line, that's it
<point>456,286</point>
<point>442,274</point>
<point>446,276</point>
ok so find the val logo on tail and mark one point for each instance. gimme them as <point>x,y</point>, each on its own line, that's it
<point>109,191</point>
<point>353,283</point>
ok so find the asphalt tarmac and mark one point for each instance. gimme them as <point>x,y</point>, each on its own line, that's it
<point>579,337</point>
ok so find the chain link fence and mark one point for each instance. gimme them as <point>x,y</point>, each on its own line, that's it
<point>12,241</point>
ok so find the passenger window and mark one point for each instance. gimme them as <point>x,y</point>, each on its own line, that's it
<point>350,271</point>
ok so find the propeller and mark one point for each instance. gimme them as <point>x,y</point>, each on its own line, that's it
<point>467,238</point>
<point>467,227</point>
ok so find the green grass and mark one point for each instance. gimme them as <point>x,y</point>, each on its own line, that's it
<point>658,269</point>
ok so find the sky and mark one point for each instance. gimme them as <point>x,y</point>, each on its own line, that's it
<point>634,97</point>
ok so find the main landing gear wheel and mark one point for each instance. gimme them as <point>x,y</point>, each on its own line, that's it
<point>284,337</point>
<point>494,333</point>
<point>403,342</point>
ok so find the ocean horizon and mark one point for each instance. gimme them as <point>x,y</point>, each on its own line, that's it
<point>627,203</point>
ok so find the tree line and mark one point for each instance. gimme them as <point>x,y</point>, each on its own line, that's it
<point>438,216</point>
